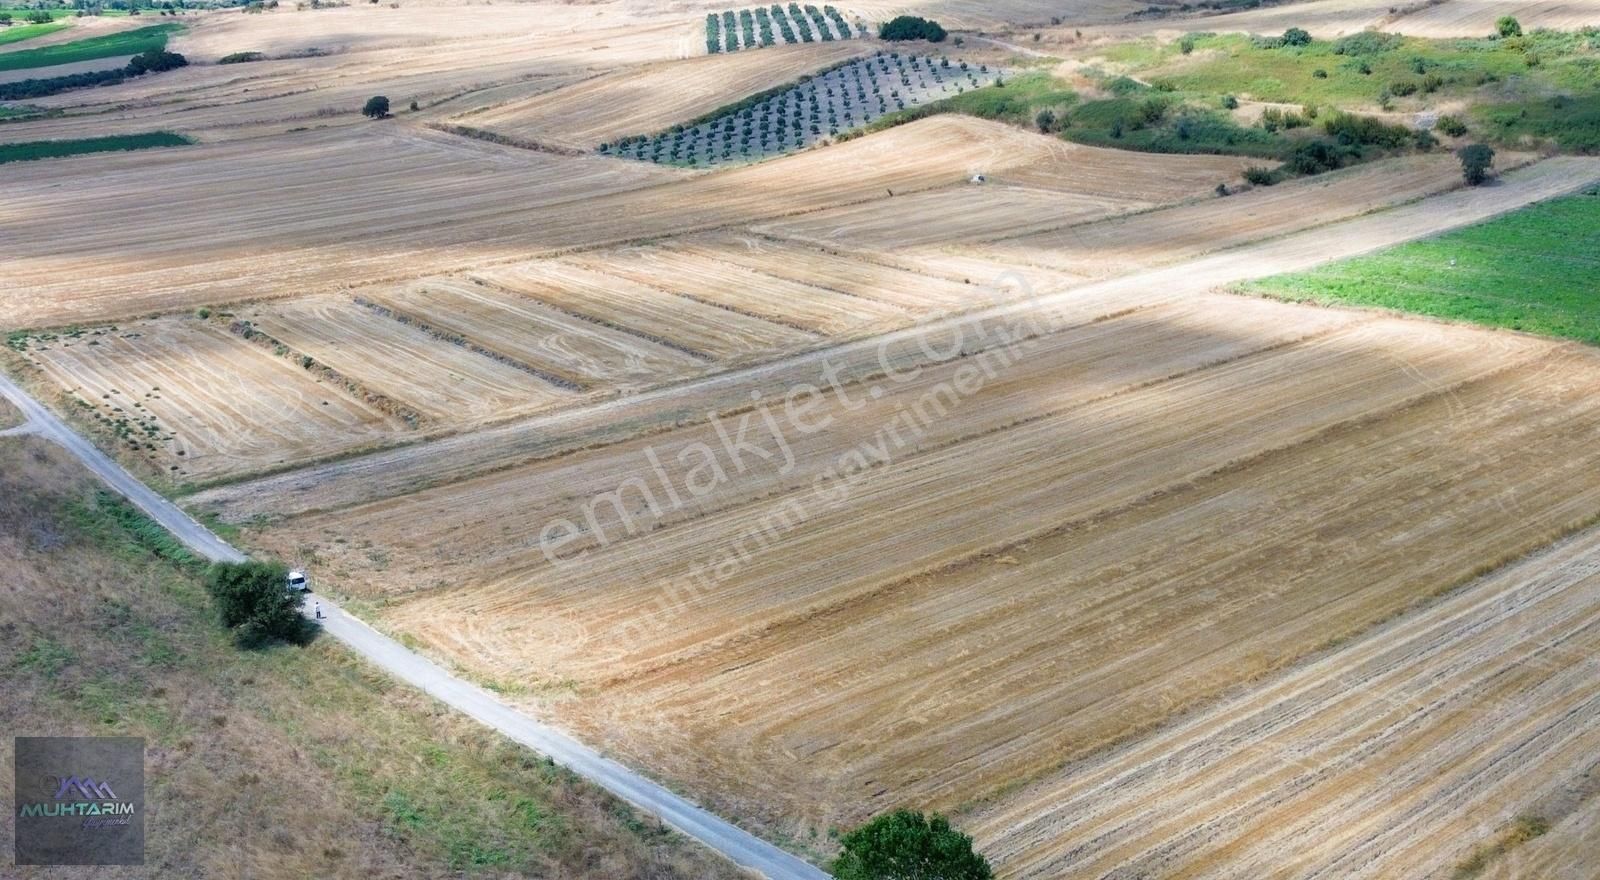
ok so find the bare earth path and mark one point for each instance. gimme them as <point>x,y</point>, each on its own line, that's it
<point>738,845</point>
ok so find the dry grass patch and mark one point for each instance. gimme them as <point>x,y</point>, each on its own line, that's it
<point>279,764</point>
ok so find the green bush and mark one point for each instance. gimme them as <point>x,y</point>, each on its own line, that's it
<point>1508,26</point>
<point>376,107</point>
<point>911,27</point>
<point>253,600</point>
<point>1259,176</point>
<point>241,57</point>
<point>907,844</point>
<point>1350,128</point>
<point>1366,43</point>
<point>1476,160</point>
<point>1296,37</point>
<point>1451,125</point>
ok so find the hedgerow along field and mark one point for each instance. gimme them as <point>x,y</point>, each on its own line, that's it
<point>830,104</point>
<point>753,28</point>
<point>32,150</point>
<point>92,49</point>
<point>1533,270</point>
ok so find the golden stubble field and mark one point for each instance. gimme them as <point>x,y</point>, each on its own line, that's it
<point>1130,576</point>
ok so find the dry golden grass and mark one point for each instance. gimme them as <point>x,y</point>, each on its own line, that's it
<point>289,763</point>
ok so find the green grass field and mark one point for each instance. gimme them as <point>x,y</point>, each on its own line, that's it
<point>1359,69</point>
<point>30,150</point>
<point>1537,269</point>
<point>108,46</point>
<point>18,33</point>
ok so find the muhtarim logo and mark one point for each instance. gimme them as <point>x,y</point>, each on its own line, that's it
<point>80,800</point>
<point>75,796</point>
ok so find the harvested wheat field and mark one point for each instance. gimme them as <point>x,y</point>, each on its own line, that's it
<point>648,99</point>
<point>345,483</point>
<point>964,213</point>
<point>1186,231</point>
<point>703,331</point>
<point>857,273</point>
<point>573,351</point>
<point>1391,756</point>
<point>288,32</point>
<point>1090,183</point>
<point>1225,427</point>
<point>248,219</point>
<point>426,377</point>
<point>748,292</point>
<point>1476,18</point>
<point>199,402</point>
<point>926,466</point>
<point>431,203</point>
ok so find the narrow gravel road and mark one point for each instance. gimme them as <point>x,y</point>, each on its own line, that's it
<point>740,846</point>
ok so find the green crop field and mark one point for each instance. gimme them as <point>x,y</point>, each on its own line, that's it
<point>109,46</point>
<point>31,150</point>
<point>18,33</point>
<point>1537,269</point>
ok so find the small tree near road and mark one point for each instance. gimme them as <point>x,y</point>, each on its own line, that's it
<point>1476,160</point>
<point>377,107</point>
<point>1508,26</point>
<point>254,601</point>
<point>906,845</point>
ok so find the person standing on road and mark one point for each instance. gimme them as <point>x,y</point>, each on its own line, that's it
<point>318,607</point>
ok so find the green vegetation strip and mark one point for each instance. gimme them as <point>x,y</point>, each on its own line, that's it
<point>1536,270</point>
<point>18,33</point>
<point>30,150</point>
<point>109,46</point>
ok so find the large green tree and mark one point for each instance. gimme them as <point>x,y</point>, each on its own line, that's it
<point>253,600</point>
<point>906,845</point>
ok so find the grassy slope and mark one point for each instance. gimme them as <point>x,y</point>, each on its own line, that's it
<point>285,763</point>
<point>1542,85</point>
<point>30,150</point>
<point>117,45</point>
<point>18,33</point>
<point>1537,269</point>
<point>1182,126</point>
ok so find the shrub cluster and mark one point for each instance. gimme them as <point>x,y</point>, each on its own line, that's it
<point>911,27</point>
<point>1352,129</point>
<point>242,58</point>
